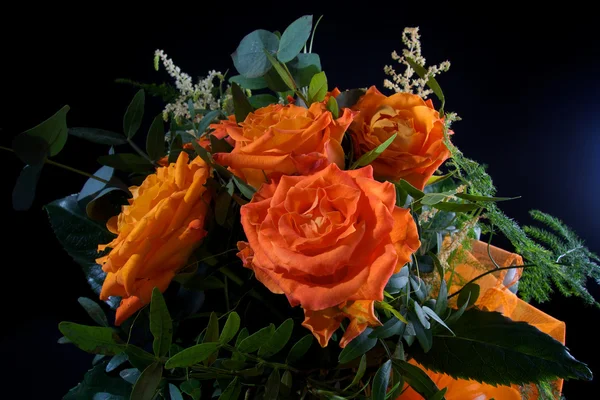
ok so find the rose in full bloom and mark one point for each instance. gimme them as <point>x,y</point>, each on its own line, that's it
<point>285,140</point>
<point>329,242</point>
<point>418,149</point>
<point>157,232</point>
<point>462,389</point>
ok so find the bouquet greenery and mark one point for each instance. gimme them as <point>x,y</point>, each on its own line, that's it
<point>280,238</point>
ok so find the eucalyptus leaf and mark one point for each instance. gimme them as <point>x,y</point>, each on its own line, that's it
<point>441,303</point>
<point>249,83</point>
<point>231,327</point>
<point>360,372</point>
<point>262,100</point>
<point>278,340</point>
<point>147,384</point>
<point>207,120</point>
<point>436,317</point>
<point>424,335</point>
<point>381,381</point>
<point>97,358</point>
<point>294,38</point>
<point>161,325</point>
<point>130,375</point>
<point>99,136</point>
<point>391,327</point>
<point>249,58</point>
<point>304,67</point>
<point>93,339</point>
<point>23,193</point>
<point>97,381</point>
<point>174,392</point>
<point>155,141</point>
<point>372,155</point>
<point>299,349</point>
<point>93,310</point>
<point>192,355</point>
<point>357,347</point>
<point>53,131</point>
<point>134,114</point>
<point>257,339</point>
<point>349,98</point>
<point>241,105</point>
<point>116,361</point>
<point>281,71</point>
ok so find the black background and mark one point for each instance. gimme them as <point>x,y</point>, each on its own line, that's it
<point>525,82</point>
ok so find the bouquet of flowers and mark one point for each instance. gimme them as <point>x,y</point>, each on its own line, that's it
<point>279,238</point>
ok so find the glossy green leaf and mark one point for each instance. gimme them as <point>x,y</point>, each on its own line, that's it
<point>231,327</point>
<point>80,237</point>
<point>249,83</point>
<point>31,150</point>
<point>349,98</point>
<point>456,207</point>
<point>192,355</point>
<point>93,339</point>
<point>241,105</point>
<point>391,327</point>
<point>360,372</point>
<point>155,141</point>
<point>134,114</point>
<point>262,100</point>
<point>241,336</point>
<point>127,162</point>
<point>192,388</point>
<point>468,295</point>
<point>272,385</point>
<point>281,71</point>
<point>276,84</point>
<point>416,378</point>
<point>174,392</point>
<point>161,325</point>
<point>147,384</point>
<point>497,350</point>
<point>304,67</point>
<point>357,347</point>
<point>232,391</point>
<point>23,193</point>
<point>53,131</point>
<point>472,197</point>
<point>207,119</point>
<point>93,310</point>
<point>99,136</point>
<point>278,340</point>
<point>211,336</point>
<point>116,361</point>
<point>246,190</point>
<point>257,339</point>
<point>410,189</point>
<point>299,349</point>
<point>381,381</point>
<point>294,38</point>
<point>249,58</point>
<point>372,155</point>
<point>440,395</point>
<point>96,381</point>
<point>332,107</point>
<point>438,178</point>
<point>317,90</point>
<point>138,357</point>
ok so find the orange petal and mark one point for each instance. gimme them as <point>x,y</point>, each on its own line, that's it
<point>323,323</point>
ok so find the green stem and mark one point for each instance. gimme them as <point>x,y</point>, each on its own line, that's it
<point>140,152</point>
<point>77,171</point>
<point>491,271</point>
<point>260,360</point>
<point>234,278</point>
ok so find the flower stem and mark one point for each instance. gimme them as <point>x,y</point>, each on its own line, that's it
<point>260,360</point>
<point>491,271</point>
<point>140,152</point>
<point>77,171</point>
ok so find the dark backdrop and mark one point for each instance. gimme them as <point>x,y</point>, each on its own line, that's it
<point>526,84</point>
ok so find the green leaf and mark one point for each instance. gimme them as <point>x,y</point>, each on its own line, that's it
<point>349,98</point>
<point>161,325</point>
<point>241,105</point>
<point>116,362</point>
<point>304,67</point>
<point>456,207</point>
<point>286,383</point>
<point>250,58</point>
<point>381,380</point>
<point>192,388</point>
<point>97,381</point>
<point>174,393</point>
<point>53,131</point>
<point>456,314</point>
<point>93,310</point>
<point>357,347</point>
<point>433,198</point>
<point>246,190</point>
<point>333,108</point>
<point>276,84</point>
<point>155,141</point>
<point>97,358</point>
<point>192,355</point>
<point>468,295</point>
<point>391,327</point>
<point>436,317</point>
<point>138,357</point>
<point>147,384</point>
<point>317,90</point>
<point>64,340</point>
<point>424,335</point>
<point>440,395</point>
<point>360,372</point>
<point>222,203</point>
<point>431,82</point>
<point>416,378</point>
<point>441,303</point>
<point>278,340</point>
<point>257,339</point>
<point>130,375</point>
<point>299,349</point>
<point>202,153</point>
<point>421,315</point>
<point>31,150</point>
<point>281,71</point>
<point>494,349</point>
<point>262,100</point>
<point>219,145</point>
<point>472,197</point>
<point>127,162</point>
<point>398,383</point>
<point>294,38</point>
<point>233,365</point>
<point>372,155</point>
<point>398,281</point>
<point>207,120</point>
<point>23,193</point>
<point>175,148</point>
<point>438,178</point>
<point>272,386</point>
<point>211,336</point>
<point>134,114</point>
<point>241,336</point>
<point>410,189</point>
<point>249,83</point>
<point>232,391</point>
<point>99,136</point>
<point>388,307</point>
<point>92,339</point>
<point>231,327</point>
<point>205,283</point>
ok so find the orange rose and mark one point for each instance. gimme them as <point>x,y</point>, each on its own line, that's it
<point>419,148</point>
<point>157,233</point>
<point>285,140</point>
<point>329,242</point>
<point>462,389</point>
